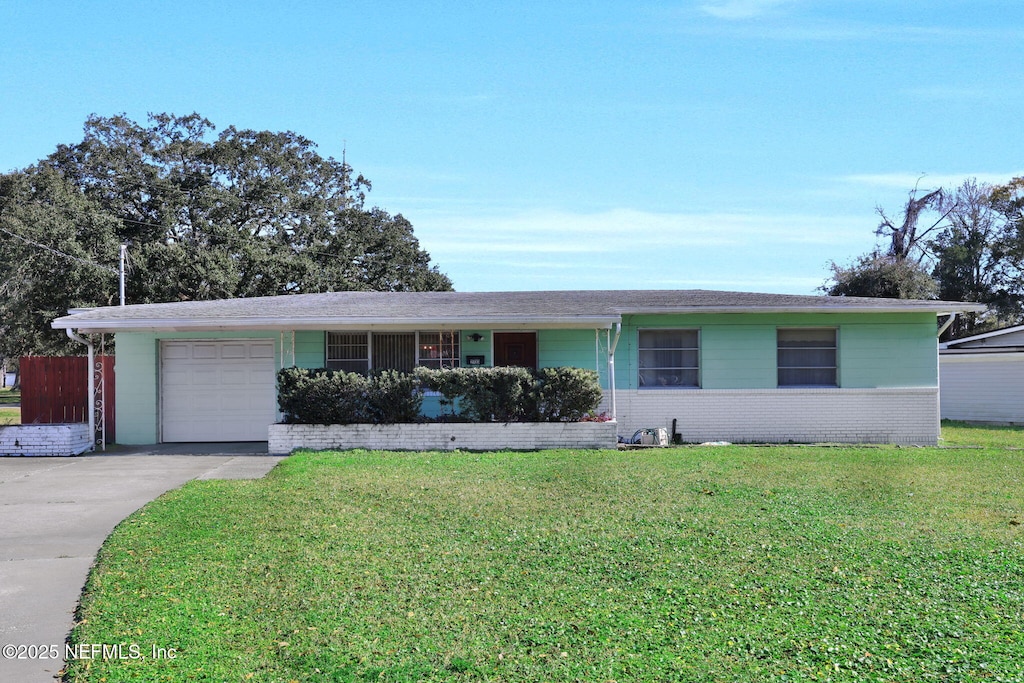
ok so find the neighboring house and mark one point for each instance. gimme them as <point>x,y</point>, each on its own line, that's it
<point>721,365</point>
<point>982,377</point>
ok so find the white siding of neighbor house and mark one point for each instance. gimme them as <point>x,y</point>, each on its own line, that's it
<point>982,387</point>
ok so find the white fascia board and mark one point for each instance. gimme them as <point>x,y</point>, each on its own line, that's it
<point>937,310</point>
<point>221,324</point>
<point>985,335</point>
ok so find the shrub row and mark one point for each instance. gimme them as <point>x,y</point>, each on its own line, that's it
<point>324,396</point>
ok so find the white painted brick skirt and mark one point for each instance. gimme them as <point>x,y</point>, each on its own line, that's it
<point>44,439</point>
<point>890,415</point>
<point>284,438</point>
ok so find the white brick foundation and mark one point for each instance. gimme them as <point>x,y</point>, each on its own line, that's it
<point>444,436</point>
<point>44,439</point>
<point>891,415</point>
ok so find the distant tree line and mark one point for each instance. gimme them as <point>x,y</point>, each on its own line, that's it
<point>241,213</point>
<point>963,244</point>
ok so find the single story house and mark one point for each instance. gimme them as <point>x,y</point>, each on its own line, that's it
<point>982,377</point>
<point>734,366</point>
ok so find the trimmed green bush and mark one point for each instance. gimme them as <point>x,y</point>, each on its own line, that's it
<point>504,394</point>
<point>394,397</point>
<point>567,394</point>
<point>321,396</point>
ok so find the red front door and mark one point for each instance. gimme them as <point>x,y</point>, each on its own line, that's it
<point>515,349</point>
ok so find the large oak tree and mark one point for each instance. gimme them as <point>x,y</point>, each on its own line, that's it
<point>205,215</point>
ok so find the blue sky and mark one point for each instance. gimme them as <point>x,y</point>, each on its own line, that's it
<point>717,144</point>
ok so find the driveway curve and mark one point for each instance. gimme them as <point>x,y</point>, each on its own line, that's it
<point>54,515</point>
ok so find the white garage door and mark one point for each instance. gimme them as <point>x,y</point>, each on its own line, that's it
<point>217,390</point>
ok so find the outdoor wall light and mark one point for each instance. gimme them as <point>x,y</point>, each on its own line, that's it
<point>476,336</point>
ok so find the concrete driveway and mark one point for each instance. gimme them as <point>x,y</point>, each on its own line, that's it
<point>54,515</point>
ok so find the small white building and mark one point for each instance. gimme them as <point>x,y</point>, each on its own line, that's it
<point>981,378</point>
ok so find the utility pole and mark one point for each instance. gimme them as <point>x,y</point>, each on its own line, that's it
<point>124,249</point>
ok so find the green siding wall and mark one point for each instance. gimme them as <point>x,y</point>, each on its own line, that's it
<point>879,355</point>
<point>468,347</point>
<point>576,348</point>
<point>310,348</point>
<point>135,380</point>
<point>738,350</point>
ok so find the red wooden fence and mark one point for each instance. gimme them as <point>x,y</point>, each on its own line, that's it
<point>55,389</point>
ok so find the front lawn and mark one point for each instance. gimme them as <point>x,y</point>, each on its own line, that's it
<point>689,564</point>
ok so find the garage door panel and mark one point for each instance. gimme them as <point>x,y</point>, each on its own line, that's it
<point>262,376</point>
<point>229,351</point>
<point>201,378</point>
<point>217,391</point>
<point>176,378</point>
<point>204,352</point>
<point>264,351</point>
<point>234,376</point>
<point>175,351</point>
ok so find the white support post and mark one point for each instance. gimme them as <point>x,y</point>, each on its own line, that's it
<point>612,343</point>
<point>92,385</point>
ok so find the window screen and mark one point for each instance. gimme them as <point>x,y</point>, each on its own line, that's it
<point>438,349</point>
<point>807,357</point>
<point>669,358</point>
<point>348,351</point>
<point>402,351</point>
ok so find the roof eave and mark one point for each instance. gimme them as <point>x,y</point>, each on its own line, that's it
<point>327,323</point>
<point>944,309</point>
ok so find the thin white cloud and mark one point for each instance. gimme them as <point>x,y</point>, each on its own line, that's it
<point>734,10</point>
<point>907,181</point>
<point>623,232</point>
<point>743,283</point>
<point>776,20</point>
<point>629,249</point>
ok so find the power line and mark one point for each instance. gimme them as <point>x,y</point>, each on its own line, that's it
<point>59,253</point>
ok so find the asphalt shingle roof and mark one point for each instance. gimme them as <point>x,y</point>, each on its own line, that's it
<point>588,308</point>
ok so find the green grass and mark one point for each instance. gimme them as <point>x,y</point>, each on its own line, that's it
<point>689,564</point>
<point>968,435</point>
<point>8,415</point>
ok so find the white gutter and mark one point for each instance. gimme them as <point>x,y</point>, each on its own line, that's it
<point>611,366</point>
<point>945,325</point>
<point>92,388</point>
